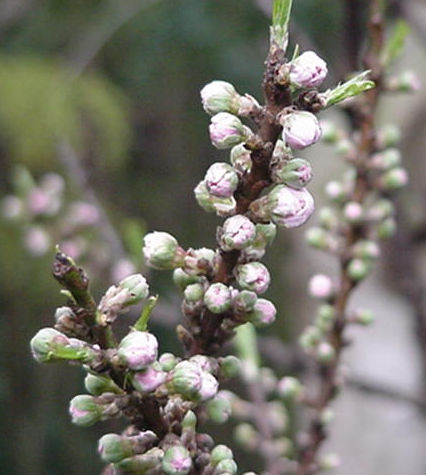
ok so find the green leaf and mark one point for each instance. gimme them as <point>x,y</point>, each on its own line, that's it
<point>395,43</point>
<point>280,18</point>
<point>245,342</point>
<point>351,88</point>
<point>142,323</point>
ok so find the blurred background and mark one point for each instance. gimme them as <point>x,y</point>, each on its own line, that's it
<point>103,137</point>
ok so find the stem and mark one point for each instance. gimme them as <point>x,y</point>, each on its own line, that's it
<point>362,118</point>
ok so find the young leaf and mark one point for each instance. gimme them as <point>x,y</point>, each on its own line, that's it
<point>395,44</point>
<point>350,88</point>
<point>280,18</point>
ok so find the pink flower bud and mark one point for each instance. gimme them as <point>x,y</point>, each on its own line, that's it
<point>308,70</point>
<point>138,350</point>
<point>148,380</point>
<point>353,212</point>
<point>253,276</point>
<point>296,173</point>
<point>209,386</point>
<point>218,298</point>
<point>263,314</point>
<point>300,129</point>
<point>226,130</point>
<point>37,241</point>
<point>289,207</point>
<point>220,96</point>
<point>321,286</point>
<point>221,180</point>
<point>238,233</point>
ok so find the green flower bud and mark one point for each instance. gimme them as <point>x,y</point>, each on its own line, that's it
<point>219,408</point>
<point>219,453</point>
<point>226,466</point>
<point>183,279</point>
<point>230,366</point>
<point>325,317</point>
<point>325,353</point>
<point>161,251</point>
<point>241,159</point>
<point>141,463</point>
<point>220,96</point>
<point>50,345</point>
<point>137,286</point>
<point>380,210</point>
<point>84,410</point>
<point>366,249</point>
<point>386,229</point>
<point>394,179</point>
<point>289,388</point>
<point>358,269</point>
<point>328,218</point>
<point>246,435</point>
<point>310,338</point>
<point>194,292</point>
<point>317,238</point>
<point>244,301</point>
<point>186,379</point>
<point>189,422</point>
<point>330,133</point>
<point>388,136</point>
<point>387,159</point>
<point>168,361</point>
<point>97,385</point>
<point>113,447</point>
<point>210,203</point>
<point>363,316</point>
<point>329,461</point>
<point>296,173</point>
<point>176,461</point>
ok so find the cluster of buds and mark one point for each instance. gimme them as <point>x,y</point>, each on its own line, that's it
<point>45,218</point>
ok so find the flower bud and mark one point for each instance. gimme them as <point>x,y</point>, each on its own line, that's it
<point>335,191</point>
<point>221,180</point>
<point>388,136</point>
<point>345,148</point>
<point>265,234</point>
<point>226,467</point>
<point>176,461</point>
<point>230,366</point>
<point>380,210</point>
<point>353,212</point>
<point>358,269</point>
<point>49,345</point>
<point>308,70</point>
<point>244,301</point>
<point>168,361</point>
<point>205,363</point>
<point>84,410</point>
<point>36,240</point>
<point>148,380</point>
<point>237,233</point>
<point>296,173</point>
<point>321,286</point>
<point>310,338</point>
<point>317,238</point>
<point>325,353</point>
<point>211,203</point>
<point>240,159</point>
<point>363,316</point>
<point>219,408</point>
<point>218,298</point>
<point>288,207</point>
<point>366,249</point>
<point>324,318</point>
<point>97,385</point>
<point>220,96</point>
<point>263,314</point>
<point>189,422</point>
<point>329,461</point>
<point>137,286</point>
<point>12,207</point>
<point>186,379</point>
<point>182,279</point>
<point>386,229</point>
<point>219,453</point>
<point>226,130</point>
<point>330,133</point>
<point>138,350</point>
<point>161,251</point>
<point>386,159</point>
<point>199,261</point>
<point>289,387</point>
<point>394,179</point>
<point>328,218</point>
<point>113,447</point>
<point>407,81</point>
<point>300,129</point>
<point>253,276</point>
<point>145,463</point>
<point>209,387</point>
<point>194,292</point>
<point>245,435</point>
